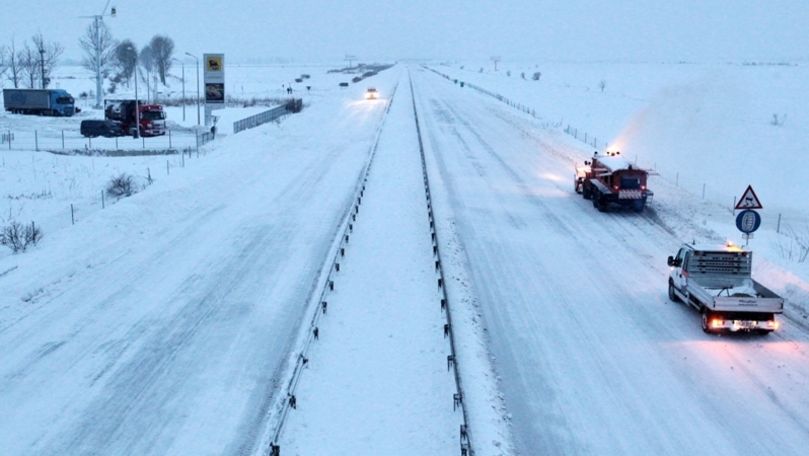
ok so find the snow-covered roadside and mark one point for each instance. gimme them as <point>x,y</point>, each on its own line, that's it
<point>376,381</point>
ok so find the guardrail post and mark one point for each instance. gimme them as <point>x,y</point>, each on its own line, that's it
<point>169,138</point>
<point>63,139</point>
<point>36,140</point>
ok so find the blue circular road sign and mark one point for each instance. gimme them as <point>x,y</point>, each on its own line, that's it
<point>748,221</point>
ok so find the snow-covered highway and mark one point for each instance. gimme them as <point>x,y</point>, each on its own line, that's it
<point>164,325</point>
<point>161,325</point>
<point>591,356</point>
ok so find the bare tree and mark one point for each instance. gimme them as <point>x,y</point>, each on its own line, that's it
<point>14,69</point>
<point>97,44</point>
<point>147,66</point>
<point>29,65</point>
<point>162,50</point>
<point>49,53</point>
<point>125,60</point>
<point>3,60</point>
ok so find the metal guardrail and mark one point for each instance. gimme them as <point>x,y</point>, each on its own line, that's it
<point>259,119</point>
<point>325,285</point>
<point>465,440</point>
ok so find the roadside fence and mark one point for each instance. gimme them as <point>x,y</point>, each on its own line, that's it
<point>291,106</point>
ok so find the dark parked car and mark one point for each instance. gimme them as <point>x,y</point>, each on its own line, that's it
<point>95,128</point>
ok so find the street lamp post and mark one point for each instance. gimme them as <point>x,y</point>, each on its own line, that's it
<point>182,65</point>
<point>137,106</point>
<point>196,61</point>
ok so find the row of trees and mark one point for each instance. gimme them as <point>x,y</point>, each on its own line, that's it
<point>31,64</point>
<point>119,61</point>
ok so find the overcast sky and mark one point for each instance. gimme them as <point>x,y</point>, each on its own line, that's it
<point>316,30</point>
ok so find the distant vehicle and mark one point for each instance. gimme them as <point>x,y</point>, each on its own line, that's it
<point>356,79</point>
<point>105,128</point>
<point>305,76</point>
<point>298,79</point>
<point>371,94</point>
<point>718,283</point>
<point>610,179</point>
<point>343,84</point>
<point>152,117</point>
<point>368,74</point>
<point>45,102</point>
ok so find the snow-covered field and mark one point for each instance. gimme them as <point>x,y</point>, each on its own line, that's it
<point>164,324</point>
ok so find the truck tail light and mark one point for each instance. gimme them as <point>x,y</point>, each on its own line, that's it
<point>716,323</point>
<point>615,187</point>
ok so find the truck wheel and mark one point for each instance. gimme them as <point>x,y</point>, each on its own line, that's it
<point>705,328</point>
<point>638,205</point>
<point>594,196</point>
<point>601,203</point>
<point>586,193</point>
<point>672,297</point>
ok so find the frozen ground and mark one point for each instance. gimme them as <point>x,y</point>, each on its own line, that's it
<point>162,324</point>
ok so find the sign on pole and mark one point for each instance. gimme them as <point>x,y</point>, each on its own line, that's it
<point>749,200</point>
<point>748,221</point>
<point>214,79</point>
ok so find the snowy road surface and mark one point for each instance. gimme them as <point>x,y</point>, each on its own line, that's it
<point>592,357</point>
<point>159,325</point>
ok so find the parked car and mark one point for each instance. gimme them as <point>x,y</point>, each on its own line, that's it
<point>105,128</point>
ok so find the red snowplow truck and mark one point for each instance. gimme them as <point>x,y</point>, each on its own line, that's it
<point>152,117</point>
<point>612,180</point>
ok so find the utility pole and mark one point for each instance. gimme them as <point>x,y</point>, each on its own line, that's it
<point>42,63</point>
<point>97,19</point>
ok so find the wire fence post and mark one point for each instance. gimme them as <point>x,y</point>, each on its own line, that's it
<point>102,199</point>
<point>169,138</point>
<point>9,140</point>
<point>63,139</point>
<point>116,143</point>
<point>703,191</point>
<point>778,226</point>
<point>72,215</point>
<point>36,140</point>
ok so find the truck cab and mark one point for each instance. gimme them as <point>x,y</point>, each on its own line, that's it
<point>717,282</point>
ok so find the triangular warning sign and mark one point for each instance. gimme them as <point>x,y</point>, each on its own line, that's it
<point>749,200</point>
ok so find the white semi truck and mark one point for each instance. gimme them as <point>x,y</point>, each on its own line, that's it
<point>718,283</point>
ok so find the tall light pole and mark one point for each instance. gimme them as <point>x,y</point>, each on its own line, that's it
<point>182,64</point>
<point>196,61</point>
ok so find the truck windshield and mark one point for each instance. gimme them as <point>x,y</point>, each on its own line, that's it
<point>630,183</point>
<point>65,100</point>
<point>153,115</point>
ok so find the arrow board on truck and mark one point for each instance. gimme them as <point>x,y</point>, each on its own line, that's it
<point>749,200</point>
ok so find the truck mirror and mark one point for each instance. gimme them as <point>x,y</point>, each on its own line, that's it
<point>587,162</point>
<point>671,261</point>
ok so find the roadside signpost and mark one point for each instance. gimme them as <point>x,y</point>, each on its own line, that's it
<point>748,220</point>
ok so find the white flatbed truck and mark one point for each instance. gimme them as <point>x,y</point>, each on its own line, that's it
<point>718,283</point>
